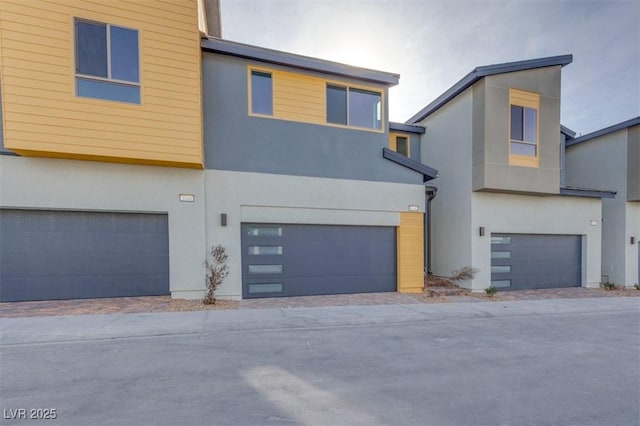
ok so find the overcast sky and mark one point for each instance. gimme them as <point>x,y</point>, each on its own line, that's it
<point>432,44</point>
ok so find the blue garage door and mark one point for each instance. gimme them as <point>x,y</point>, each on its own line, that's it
<point>300,260</point>
<point>47,255</point>
<point>529,261</point>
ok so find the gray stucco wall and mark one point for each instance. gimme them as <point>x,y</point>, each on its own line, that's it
<point>491,133</point>
<point>236,141</point>
<point>633,164</point>
<point>446,145</point>
<point>601,163</point>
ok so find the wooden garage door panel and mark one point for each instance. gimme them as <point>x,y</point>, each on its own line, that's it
<point>47,255</point>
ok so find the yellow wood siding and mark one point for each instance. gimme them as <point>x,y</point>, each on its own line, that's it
<point>302,98</point>
<point>410,249</point>
<point>44,117</point>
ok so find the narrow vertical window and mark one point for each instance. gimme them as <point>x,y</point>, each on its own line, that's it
<point>402,145</point>
<point>337,105</point>
<point>523,136</point>
<point>261,93</point>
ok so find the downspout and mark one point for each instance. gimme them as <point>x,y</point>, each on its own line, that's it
<point>430,194</point>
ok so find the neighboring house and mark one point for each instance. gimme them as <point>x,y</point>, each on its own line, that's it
<point>102,114</point>
<point>114,182</point>
<point>496,136</point>
<point>610,158</point>
<point>300,185</point>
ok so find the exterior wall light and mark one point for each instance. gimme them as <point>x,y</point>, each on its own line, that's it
<point>482,231</point>
<point>632,240</point>
<point>413,208</point>
<point>223,219</point>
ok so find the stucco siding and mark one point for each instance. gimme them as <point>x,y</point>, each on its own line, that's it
<point>495,173</point>
<point>447,146</point>
<point>631,251</point>
<point>522,214</point>
<point>272,198</point>
<point>50,184</point>
<point>633,164</point>
<point>44,117</point>
<point>601,163</point>
<point>237,141</point>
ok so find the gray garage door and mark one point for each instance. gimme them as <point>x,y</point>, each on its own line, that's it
<point>299,260</point>
<point>524,261</point>
<point>48,255</point>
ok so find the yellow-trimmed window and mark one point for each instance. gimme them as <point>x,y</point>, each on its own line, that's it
<point>400,143</point>
<point>260,92</point>
<point>524,147</point>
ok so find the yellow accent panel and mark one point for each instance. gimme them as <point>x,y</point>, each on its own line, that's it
<point>528,100</point>
<point>410,264</point>
<point>44,117</point>
<point>301,97</point>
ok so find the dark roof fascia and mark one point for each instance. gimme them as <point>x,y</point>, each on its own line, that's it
<point>277,57</point>
<point>485,71</point>
<point>7,152</point>
<point>620,126</point>
<point>582,192</point>
<point>427,172</point>
<point>567,131</point>
<point>401,127</point>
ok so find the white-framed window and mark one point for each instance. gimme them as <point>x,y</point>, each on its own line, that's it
<point>107,61</point>
<point>350,106</point>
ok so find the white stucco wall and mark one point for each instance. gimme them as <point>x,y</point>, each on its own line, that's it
<point>447,146</point>
<point>521,214</point>
<point>271,198</point>
<point>54,184</point>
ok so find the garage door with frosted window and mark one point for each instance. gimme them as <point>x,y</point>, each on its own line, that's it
<point>530,261</point>
<point>299,260</point>
<point>47,255</point>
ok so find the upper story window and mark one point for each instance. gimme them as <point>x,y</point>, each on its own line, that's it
<point>400,143</point>
<point>523,141</point>
<point>261,93</point>
<point>107,62</point>
<point>354,107</point>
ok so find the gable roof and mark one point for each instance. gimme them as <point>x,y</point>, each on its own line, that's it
<point>226,47</point>
<point>620,126</point>
<point>484,71</point>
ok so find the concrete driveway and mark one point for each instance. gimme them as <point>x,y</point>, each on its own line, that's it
<point>560,362</point>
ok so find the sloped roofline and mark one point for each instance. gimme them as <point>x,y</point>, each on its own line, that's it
<point>232,48</point>
<point>620,126</point>
<point>484,71</point>
<point>567,131</point>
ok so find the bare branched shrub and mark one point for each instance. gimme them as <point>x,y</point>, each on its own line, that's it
<point>217,271</point>
<point>463,274</point>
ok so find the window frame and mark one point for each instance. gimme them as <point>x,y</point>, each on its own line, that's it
<point>393,141</point>
<point>347,87</point>
<point>531,100</point>
<point>250,71</point>
<point>77,75</point>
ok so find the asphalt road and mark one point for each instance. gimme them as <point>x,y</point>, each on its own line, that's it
<point>551,362</point>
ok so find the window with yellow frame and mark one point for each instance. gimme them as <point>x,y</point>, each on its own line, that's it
<point>524,147</point>
<point>400,143</point>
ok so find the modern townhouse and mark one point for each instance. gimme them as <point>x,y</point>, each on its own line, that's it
<point>131,146</point>
<point>610,158</point>
<point>102,133</point>
<point>495,137</point>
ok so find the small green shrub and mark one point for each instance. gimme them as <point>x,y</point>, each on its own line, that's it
<point>609,286</point>
<point>217,271</point>
<point>636,286</point>
<point>491,290</point>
